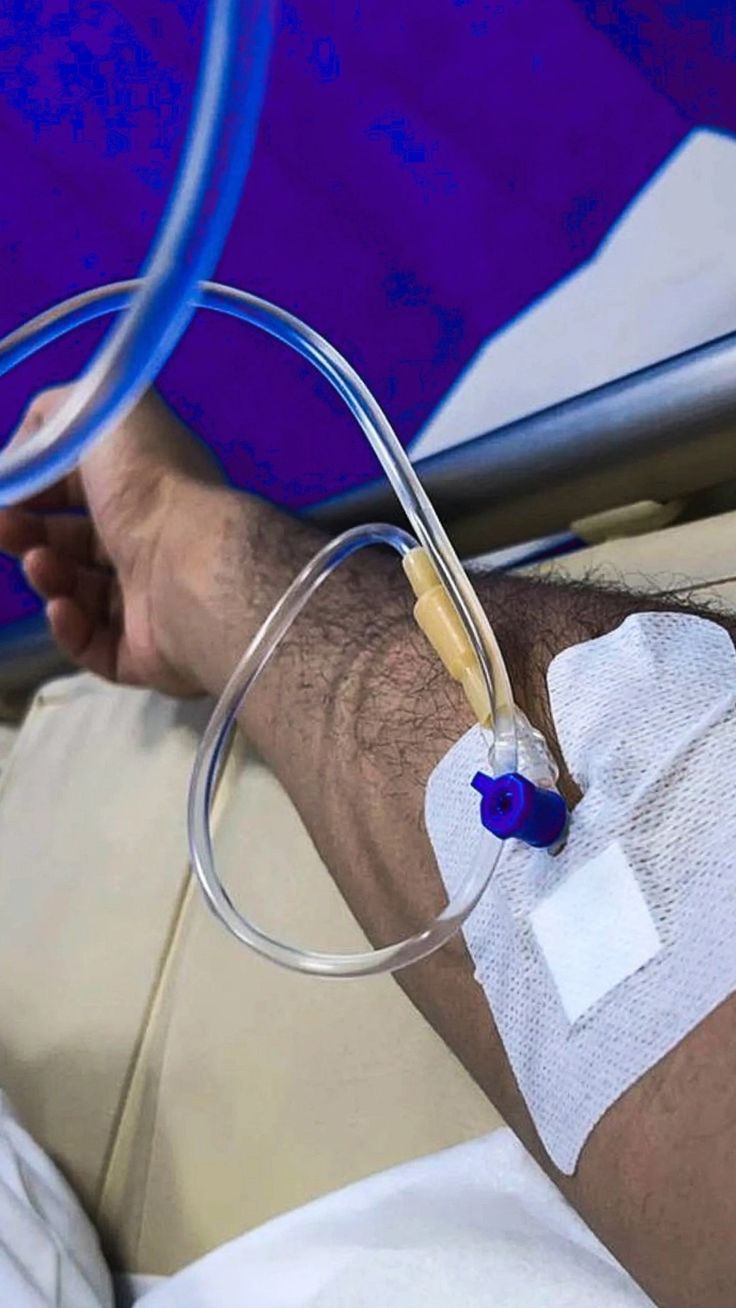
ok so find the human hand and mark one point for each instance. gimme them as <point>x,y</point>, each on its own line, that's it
<point>91,545</point>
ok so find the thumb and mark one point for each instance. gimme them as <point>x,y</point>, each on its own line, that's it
<point>68,492</point>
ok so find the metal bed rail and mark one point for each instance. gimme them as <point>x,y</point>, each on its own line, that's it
<point>662,433</point>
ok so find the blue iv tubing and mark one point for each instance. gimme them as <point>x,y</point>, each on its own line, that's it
<point>191,236</point>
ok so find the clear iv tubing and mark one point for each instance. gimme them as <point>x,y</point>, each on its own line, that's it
<point>430,533</point>
<point>159,306</point>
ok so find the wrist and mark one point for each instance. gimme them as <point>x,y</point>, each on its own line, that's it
<point>223,560</point>
<point>183,567</point>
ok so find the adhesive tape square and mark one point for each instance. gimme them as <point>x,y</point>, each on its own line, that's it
<point>594,930</point>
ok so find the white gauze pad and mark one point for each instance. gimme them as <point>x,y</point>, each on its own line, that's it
<point>597,961</point>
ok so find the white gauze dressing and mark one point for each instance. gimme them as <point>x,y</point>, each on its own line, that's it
<point>597,961</point>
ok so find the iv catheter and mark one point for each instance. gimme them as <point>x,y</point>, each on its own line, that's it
<point>447,606</point>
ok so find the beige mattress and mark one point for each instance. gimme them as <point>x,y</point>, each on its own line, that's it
<point>189,1089</point>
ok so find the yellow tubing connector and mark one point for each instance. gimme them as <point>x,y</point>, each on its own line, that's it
<point>438,618</point>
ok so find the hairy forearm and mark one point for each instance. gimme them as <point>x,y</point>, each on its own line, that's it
<point>352,717</point>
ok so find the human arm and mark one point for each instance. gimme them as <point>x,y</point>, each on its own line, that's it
<point>352,716</point>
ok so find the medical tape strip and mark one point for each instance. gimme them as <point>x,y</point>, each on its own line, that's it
<point>597,961</point>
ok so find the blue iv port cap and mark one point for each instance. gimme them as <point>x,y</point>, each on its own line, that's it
<point>512,806</point>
